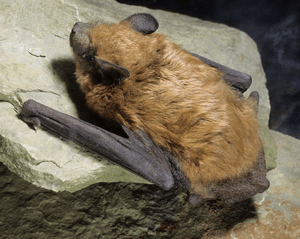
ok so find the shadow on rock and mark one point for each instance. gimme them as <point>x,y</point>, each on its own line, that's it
<point>65,71</point>
<point>115,210</point>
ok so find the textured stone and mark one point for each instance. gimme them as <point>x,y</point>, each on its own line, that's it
<point>278,209</point>
<point>129,210</point>
<point>36,63</point>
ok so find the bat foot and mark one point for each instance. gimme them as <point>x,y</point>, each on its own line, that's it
<point>254,95</point>
<point>195,199</point>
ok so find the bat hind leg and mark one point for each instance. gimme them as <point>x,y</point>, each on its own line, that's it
<point>254,95</point>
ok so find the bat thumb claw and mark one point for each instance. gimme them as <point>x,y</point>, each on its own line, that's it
<point>33,120</point>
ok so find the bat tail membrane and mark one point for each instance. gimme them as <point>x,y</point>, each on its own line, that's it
<point>239,189</point>
<point>137,154</point>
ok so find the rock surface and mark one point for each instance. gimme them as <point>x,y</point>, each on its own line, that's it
<point>129,210</point>
<point>36,63</point>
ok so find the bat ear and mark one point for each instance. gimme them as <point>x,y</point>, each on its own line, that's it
<point>110,72</point>
<point>144,23</point>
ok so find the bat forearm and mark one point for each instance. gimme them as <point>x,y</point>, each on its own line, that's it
<point>127,153</point>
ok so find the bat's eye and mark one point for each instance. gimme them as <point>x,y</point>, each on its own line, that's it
<point>89,57</point>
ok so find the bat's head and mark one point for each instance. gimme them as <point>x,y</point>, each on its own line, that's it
<point>109,53</point>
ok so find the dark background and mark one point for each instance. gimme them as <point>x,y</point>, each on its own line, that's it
<point>275,27</point>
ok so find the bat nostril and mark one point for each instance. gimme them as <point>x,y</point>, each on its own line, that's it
<point>82,28</point>
<point>76,27</point>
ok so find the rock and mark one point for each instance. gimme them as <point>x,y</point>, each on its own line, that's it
<point>131,210</point>
<point>278,208</point>
<point>36,63</point>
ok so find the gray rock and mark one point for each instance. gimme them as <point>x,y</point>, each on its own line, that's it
<point>131,210</point>
<point>36,63</point>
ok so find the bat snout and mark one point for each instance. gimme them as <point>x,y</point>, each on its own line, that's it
<point>79,39</point>
<point>82,28</point>
<point>77,26</point>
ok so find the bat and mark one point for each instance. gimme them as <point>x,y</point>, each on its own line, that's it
<point>186,121</point>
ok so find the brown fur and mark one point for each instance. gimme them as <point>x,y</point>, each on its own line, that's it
<point>182,103</point>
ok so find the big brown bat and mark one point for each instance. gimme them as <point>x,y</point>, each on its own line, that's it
<point>187,122</point>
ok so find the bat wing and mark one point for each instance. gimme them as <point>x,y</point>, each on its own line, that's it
<point>238,80</point>
<point>137,153</point>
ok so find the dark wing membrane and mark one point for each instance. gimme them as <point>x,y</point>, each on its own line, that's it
<point>238,80</point>
<point>138,154</point>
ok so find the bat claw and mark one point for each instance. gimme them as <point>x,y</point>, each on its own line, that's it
<point>33,120</point>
